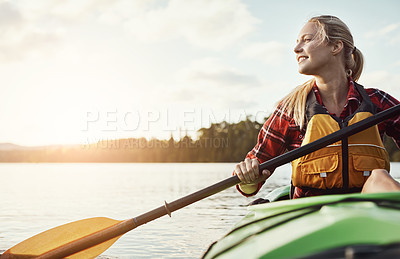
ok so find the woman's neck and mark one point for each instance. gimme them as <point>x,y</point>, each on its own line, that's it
<point>333,92</point>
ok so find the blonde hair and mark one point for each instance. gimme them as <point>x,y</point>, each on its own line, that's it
<point>330,30</point>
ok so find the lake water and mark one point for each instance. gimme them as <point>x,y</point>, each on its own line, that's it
<point>37,197</point>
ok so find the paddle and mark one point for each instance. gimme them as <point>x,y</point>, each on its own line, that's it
<point>91,237</point>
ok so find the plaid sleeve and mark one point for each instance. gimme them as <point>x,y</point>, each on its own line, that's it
<point>385,101</point>
<point>272,137</point>
<point>272,140</point>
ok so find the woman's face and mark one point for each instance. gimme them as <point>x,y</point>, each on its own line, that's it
<point>312,54</point>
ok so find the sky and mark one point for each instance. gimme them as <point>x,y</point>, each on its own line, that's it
<point>81,71</point>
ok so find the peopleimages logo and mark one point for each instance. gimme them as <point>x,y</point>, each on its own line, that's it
<point>169,128</point>
<point>165,120</point>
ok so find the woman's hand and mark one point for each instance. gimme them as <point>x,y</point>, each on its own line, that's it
<point>249,175</point>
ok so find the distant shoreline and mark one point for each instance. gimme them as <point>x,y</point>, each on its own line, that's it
<point>220,143</point>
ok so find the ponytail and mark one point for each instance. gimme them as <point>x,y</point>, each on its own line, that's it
<point>357,63</point>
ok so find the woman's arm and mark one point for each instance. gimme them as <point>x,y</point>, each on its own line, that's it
<point>272,141</point>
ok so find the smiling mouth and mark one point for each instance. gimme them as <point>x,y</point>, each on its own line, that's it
<point>301,59</point>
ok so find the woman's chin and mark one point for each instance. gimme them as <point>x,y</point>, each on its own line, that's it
<point>306,70</point>
<point>303,71</point>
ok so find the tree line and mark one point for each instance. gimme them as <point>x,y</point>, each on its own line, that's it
<point>221,142</point>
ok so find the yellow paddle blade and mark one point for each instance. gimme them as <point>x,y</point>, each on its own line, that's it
<point>95,250</point>
<point>62,237</point>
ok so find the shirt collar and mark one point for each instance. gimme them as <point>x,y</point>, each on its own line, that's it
<point>352,96</point>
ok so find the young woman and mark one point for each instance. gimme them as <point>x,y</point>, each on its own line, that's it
<point>330,100</point>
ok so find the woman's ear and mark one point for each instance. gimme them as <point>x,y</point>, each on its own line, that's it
<point>337,47</point>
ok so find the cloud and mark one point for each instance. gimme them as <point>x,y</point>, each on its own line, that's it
<point>395,40</point>
<point>270,53</point>
<point>383,31</point>
<point>211,83</point>
<point>19,37</point>
<point>388,29</point>
<point>383,80</point>
<point>223,77</point>
<point>206,24</point>
<point>212,73</point>
<point>10,17</point>
<point>389,32</point>
<point>213,99</point>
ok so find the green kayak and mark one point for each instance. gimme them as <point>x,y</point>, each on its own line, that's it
<point>330,226</point>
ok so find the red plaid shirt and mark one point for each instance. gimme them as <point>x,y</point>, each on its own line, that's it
<point>280,133</point>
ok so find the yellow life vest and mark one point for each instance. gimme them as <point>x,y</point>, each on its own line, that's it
<point>345,164</point>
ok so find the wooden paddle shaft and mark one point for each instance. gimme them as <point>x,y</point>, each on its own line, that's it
<point>185,201</point>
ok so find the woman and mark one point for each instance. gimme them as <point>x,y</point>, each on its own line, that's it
<point>322,105</point>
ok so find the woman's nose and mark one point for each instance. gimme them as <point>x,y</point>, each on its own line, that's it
<point>297,48</point>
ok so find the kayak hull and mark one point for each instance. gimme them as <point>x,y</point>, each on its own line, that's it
<point>305,227</point>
